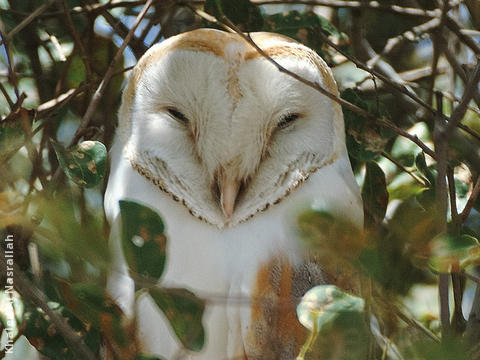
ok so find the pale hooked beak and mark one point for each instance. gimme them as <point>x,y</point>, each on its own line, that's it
<point>228,188</point>
<point>228,195</point>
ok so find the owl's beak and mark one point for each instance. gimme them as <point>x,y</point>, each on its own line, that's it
<point>228,195</point>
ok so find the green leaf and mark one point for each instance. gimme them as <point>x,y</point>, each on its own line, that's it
<point>322,304</point>
<point>84,164</point>
<point>147,357</point>
<point>243,13</point>
<point>42,334</point>
<point>76,72</point>
<point>302,26</point>
<point>450,254</point>
<point>402,245</point>
<point>143,240</point>
<point>184,311</point>
<point>405,191</point>
<point>90,302</point>
<point>330,236</point>
<point>374,195</point>
<point>365,140</point>
<point>11,136</point>
<point>93,305</point>
<point>424,169</point>
<point>451,348</point>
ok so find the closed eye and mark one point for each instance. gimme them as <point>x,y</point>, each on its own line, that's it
<point>177,115</point>
<point>287,120</point>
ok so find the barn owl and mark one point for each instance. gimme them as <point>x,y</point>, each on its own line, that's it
<point>229,150</point>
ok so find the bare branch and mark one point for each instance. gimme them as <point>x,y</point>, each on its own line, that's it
<point>470,89</point>
<point>471,200</point>
<point>108,75</point>
<point>374,5</point>
<point>29,291</point>
<point>27,21</point>
<point>229,26</point>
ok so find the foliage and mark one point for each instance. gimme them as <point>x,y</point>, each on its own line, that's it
<point>144,246</point>
<point>414,149</point>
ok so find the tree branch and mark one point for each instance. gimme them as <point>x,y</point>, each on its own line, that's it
<point>29,291</point>
<point>108,75</point>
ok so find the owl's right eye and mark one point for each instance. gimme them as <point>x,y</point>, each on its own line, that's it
<point>177,115</point>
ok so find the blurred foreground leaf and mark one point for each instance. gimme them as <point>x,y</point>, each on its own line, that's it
<point>396,257</point>
<point>322,305</point>
<point>450,253</point>
<point>337,320</point>
<point>42,334</point>
<point>91,303</point>
<point>84,164</point>
<point>147,357</point>
<point>143,240</point>
<point>184,311</point>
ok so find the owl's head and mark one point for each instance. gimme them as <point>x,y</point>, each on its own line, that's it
<point>210,121</point>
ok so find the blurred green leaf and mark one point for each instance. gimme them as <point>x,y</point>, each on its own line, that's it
<point>323,303</point>
<point>327,234</point>
<point>374,195</point>
<point>84,164</point>
<point>452,348</point>
<point>405,191</point>
<point>396,256</point>
<point>42,334</point>
<point>243,13</point>
<point>64,238</point>
<point>93,305</point>
<point>147,357</point>
<point>450,253</point>
<point>346,338</point>
<point>184,311</point>
<point>11,137</point>
<point>143,240</point>
<point>76,72</point>
<point>339,322</point>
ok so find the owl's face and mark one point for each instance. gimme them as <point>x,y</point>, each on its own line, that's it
<point>213,123</point>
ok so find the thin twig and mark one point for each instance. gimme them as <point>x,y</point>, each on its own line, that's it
<point>339,4</point>
<point>399,87</point>
<point>108,75</point>
<point>122,30</point>
<point>452,195</point>
<point>27,21</point>
<point>472,277</point>
<point>471,201</point>
<point>411,173</point>
<point>452,24</point>
<point>6,96</point>
<point>373,5</point>
<point>76,39</point>
<point>229,26</point>
<point>416,324</point>
<point>59,101</point>
<point>30,291</point>
<point>470,89</point>
<point>12,75</point>
<point>409,35</point>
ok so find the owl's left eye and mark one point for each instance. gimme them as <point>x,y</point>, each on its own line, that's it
<point>177,115</point>
<point>287,120</point>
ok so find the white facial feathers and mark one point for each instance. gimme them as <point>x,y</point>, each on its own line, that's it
<point>211,122</point>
